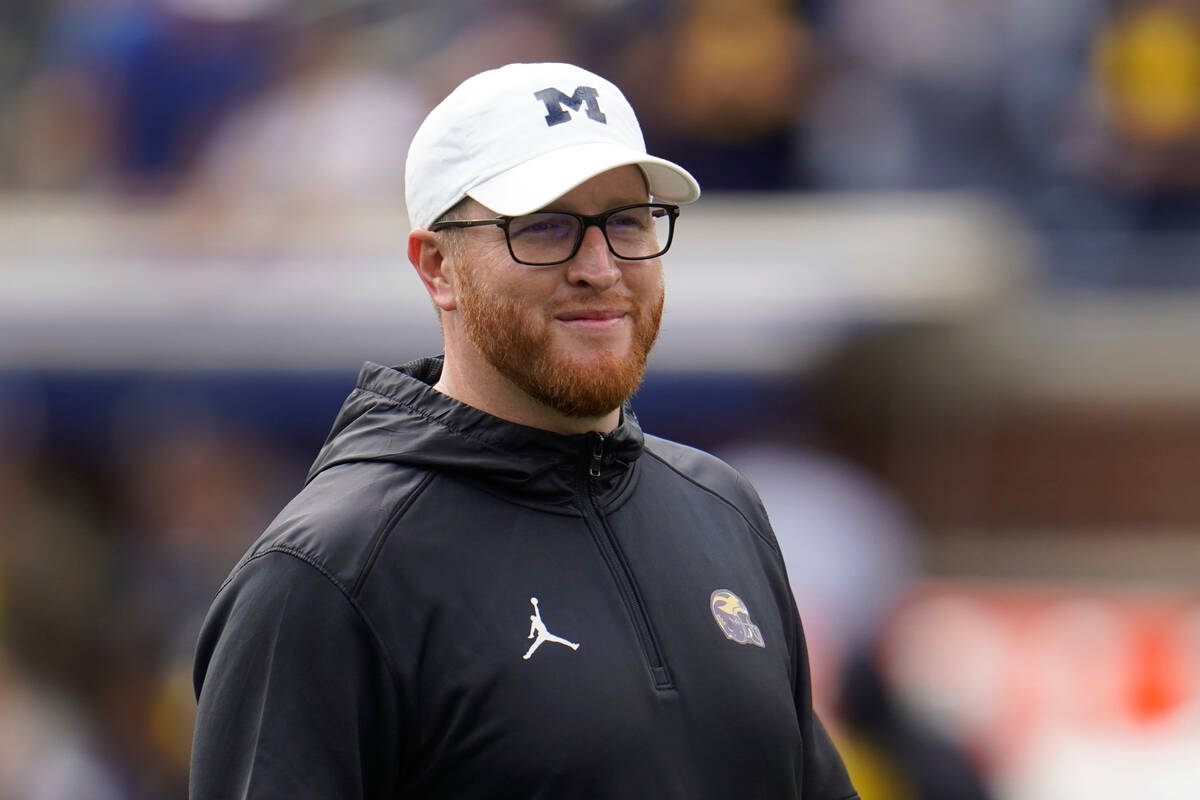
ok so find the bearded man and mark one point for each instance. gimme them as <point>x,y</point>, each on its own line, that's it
<point>375,641</point>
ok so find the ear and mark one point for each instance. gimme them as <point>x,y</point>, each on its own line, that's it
<point>433,268</point>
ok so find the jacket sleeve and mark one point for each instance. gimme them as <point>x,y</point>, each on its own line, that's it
<point>825,776</point>
<point>295,697</point>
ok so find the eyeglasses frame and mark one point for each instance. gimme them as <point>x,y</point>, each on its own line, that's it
<point>586,221</point>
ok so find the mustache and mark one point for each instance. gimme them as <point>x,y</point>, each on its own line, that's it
<point>617,301</point>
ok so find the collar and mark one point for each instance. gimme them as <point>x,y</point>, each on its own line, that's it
<point>394,414</point>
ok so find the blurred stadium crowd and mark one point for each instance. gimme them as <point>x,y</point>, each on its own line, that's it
<point>1082,113</point>
<point>1081,116</point>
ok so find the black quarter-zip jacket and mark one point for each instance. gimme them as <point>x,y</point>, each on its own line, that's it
<point>456,606</point>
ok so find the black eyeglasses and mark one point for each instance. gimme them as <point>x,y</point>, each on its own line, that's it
<point>634,233</point>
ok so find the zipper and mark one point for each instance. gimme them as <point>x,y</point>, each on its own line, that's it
<point>618,566</point>
<point>597,461</point>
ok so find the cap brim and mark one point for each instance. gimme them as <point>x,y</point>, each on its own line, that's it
<point>539,181</point>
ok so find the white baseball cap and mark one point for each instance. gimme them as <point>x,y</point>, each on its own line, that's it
<point>517,137</point>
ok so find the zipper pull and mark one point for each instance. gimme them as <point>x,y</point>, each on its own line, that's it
<point>597,455</point>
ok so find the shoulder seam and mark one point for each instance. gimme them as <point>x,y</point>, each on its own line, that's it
<point>325,573</point>
<point>766,539</point>
<point>382,534</point>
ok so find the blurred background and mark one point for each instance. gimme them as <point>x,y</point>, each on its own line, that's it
<point>940,301</point>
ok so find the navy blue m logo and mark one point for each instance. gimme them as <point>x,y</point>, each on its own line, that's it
<point>555,100</point>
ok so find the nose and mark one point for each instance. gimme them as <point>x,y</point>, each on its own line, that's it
<point>593,265</point>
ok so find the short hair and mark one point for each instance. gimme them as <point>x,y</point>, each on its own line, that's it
<point>454,239</point>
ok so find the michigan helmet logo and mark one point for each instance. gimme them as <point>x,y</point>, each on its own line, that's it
<point>733,618</point>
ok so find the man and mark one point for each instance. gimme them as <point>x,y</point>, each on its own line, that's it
<point>375,642</point>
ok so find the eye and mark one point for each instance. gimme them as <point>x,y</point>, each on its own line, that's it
<point>632,220</point>
<point>542,226</point>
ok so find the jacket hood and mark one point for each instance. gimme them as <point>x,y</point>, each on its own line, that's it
<point>395,415</point>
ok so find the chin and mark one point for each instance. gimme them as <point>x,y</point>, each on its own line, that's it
<point>594,348</point>
<point>595,357</point>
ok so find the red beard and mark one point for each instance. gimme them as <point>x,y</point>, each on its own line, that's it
<point>521,350</point>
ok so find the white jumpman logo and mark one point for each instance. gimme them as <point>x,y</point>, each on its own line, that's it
<point>538,628</point>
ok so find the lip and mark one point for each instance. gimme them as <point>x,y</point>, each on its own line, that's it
<point>593,320</point>
<point>597,315</point>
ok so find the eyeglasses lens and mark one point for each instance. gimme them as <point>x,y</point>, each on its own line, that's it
<point>549,237</point>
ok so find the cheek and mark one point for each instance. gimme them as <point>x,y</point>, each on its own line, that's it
<point>646,282</point>
<point>504,297</point>
<point>485,274</point>
<point>523,287</point>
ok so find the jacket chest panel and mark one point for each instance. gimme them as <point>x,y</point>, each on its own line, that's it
<point>529,661</point>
